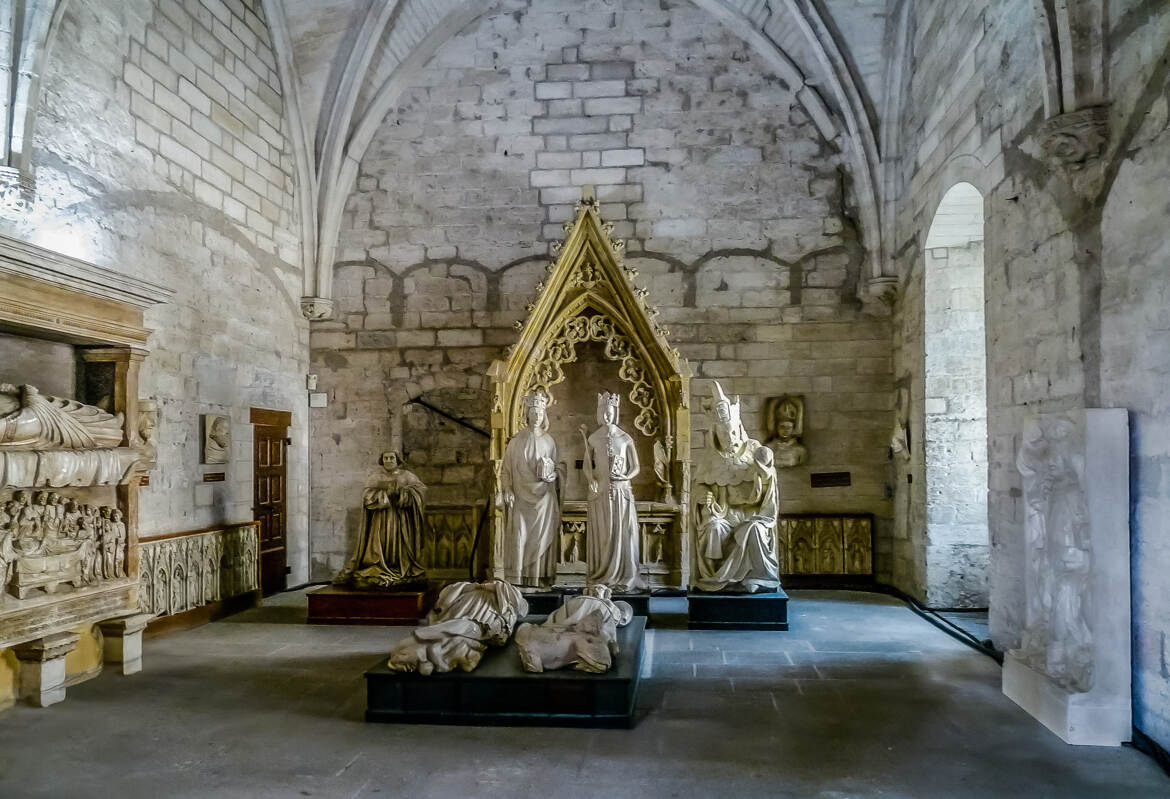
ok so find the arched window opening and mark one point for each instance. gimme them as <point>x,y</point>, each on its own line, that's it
<point>957,543</point>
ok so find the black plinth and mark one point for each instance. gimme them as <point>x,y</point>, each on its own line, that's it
<point>542,603</point>
<point>500,693</point>
<point>639,602</point>
<point>738,611</point>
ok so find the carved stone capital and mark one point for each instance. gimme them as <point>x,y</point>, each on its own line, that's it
<point>48,648</point>
<point>880,295</point>
<point>1077,138</point>
<point>316,309</point>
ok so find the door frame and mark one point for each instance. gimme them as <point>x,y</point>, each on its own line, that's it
<point>268,417</point>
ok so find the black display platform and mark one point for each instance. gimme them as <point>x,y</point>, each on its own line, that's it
<point>542,603</point>
<point>639,602</point>
<point>500,693</point>
<point>738,611</point>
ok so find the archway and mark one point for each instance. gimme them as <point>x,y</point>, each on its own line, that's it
<point>957,543</point>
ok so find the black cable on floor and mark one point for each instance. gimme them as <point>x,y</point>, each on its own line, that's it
<point>943,623</point>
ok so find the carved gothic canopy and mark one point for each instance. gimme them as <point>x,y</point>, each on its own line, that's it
<point>589,297</point>
<point>588,306</point>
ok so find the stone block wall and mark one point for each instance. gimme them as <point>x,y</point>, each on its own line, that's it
<point>160,152</point>
<point>736,214</point>
<point>955,433</point>
<point>1135,344</point>
<point>1073,308</point>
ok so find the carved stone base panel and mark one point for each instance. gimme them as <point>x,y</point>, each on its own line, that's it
<point>123,641</point>
<point>53,613</point>
<point>189,571</point>
<point>660,540</point>
<point>42,668</point>
<point>448,543</point>
<point>825,545</point>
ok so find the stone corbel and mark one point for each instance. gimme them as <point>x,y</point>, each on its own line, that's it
<point>880,295</point>
<point>1073,144</point>
<point>42,668</point>
<point>1076,139</point>
<point>316,309</point>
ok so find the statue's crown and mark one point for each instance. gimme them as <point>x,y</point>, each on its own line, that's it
<point>537,399</point>
<point>607,399</point>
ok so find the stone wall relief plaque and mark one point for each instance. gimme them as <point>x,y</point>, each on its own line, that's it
<point>784,423</point>
<point>217,438</point>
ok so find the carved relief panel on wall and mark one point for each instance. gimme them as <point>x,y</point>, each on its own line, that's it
<point>784,425</point>
<point>217,438</point>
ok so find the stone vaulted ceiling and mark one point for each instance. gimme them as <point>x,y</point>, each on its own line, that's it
<point>350,59</point>
<point>343,64</point>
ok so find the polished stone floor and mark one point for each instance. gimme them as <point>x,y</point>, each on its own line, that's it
<point>862,698</point>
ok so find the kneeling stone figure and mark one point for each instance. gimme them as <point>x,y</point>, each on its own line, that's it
<point>466,619</point>
<point>582,633</point>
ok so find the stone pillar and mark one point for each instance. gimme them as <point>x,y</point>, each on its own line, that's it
<point>123,641</point>
<point>42,668</point>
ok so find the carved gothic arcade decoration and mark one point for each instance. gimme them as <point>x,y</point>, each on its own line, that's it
<point>70,466</point>
<point>589,300</point>
<point>185,572</point>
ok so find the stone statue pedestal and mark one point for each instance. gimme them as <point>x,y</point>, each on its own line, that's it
<point>1075,676</point>
<point>123,641</point>
<point>335,604</point>
<point>499,692</point>
<point>762,611</point>
<point>1087,719</point>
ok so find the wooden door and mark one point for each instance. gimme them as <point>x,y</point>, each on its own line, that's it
<point>270,481</point>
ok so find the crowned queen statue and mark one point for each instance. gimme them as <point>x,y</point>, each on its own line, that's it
<point>532,508</point>
<point>610,463</point>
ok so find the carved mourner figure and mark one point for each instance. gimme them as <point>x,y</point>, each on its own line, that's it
<point>107,535</point>
<point>738,551</point>
<point>8,553</point>
<point>611,462</point>
<point>466,619</point>
<point>118,529</point>
<point>384,554</point>
<point>532,508</point>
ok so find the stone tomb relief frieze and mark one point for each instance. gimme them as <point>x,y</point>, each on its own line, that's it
<point>71,460</point>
